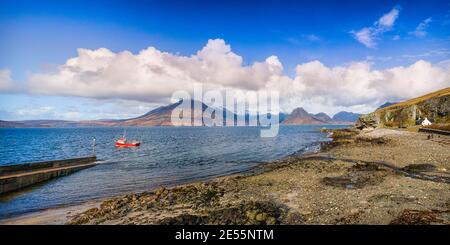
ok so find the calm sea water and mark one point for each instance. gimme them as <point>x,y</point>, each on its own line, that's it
<point>168,156</point>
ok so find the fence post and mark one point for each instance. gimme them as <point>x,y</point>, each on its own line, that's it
<point>93,147</point>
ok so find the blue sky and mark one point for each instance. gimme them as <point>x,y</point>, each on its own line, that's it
<point>37,36</point>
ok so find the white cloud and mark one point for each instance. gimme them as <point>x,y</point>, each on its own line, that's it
<point>305,38</point>
<point>365,36</point>
<point>313,38</point>
<point>359,85</point>
<point>428,54</point>
<point>6,82</point>
<point>387,20</point>
<point>44,111</point>
<point>421,28</point>
<point>369,35</point>
<point>153,75</point>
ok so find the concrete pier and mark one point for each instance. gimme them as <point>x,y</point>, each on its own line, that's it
<point>15,177</point>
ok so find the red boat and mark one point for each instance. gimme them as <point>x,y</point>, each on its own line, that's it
<point>122,142</point>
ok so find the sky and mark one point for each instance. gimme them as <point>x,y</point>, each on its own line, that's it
<point>78,60</point>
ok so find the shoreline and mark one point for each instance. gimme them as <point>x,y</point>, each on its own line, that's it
<point>384,176</point>
<point>61,213</point>
<point>47,213</point>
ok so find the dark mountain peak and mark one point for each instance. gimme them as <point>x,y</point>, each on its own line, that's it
<point>301,116</point>
<point>323,117</point>
<point>170,107</point>
<point>299,112</point>
<point>345,116</point>
<point>161,109</point>
<point>321,114</point>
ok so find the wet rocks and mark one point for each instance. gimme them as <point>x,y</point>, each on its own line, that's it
<point>352,136</point>
<point>294,218</point>
<point>110,209</point>
<point>358,176</point>
<point>200,195</point>
<point>419,217</point>
<point>196,196</point>
<point>252,213</point>
<point>392,199</point>
<point>371,120</point>
<point>352,218</point>
<point>419,168</point>
<point>372,140</point>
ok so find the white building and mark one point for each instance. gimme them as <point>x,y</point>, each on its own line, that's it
<point>426,122</point>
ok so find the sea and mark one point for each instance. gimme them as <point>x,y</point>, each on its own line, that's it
<point>167,156</point>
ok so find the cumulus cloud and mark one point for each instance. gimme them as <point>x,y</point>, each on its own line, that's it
<point>369,35</point>
<point>6,82</point>
<point>358,84</point>
<point>420,30</point>
<point>151,76</point>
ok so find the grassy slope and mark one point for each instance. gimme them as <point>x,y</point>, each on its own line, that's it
<point>442,92</point>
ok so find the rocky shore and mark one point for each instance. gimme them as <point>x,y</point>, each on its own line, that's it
<point>382,176</point>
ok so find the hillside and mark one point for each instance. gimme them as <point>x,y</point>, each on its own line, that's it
<point>345,116</point>
<point>434,106</point>
<point>301,116</point>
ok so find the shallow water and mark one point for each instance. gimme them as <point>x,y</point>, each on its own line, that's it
<point>167,156</point>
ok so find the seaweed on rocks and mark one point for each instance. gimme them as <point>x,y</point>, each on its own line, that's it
<point>245,213</point>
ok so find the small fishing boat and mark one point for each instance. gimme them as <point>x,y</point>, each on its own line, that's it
<point>122,142</point>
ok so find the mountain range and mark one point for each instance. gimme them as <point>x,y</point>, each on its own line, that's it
<point>301,116</point>
<point>161,116</point>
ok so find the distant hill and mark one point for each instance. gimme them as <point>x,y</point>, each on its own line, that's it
<point>48,123</point>
<point>385,105</point>
<point>301,116</point>
<point>323,117</point>
<point>282,116</point>
<point>38,124</point>
<point>6,124</point>
<point>161,116</point>
<point>345,116</point>
<point>434,106</point>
